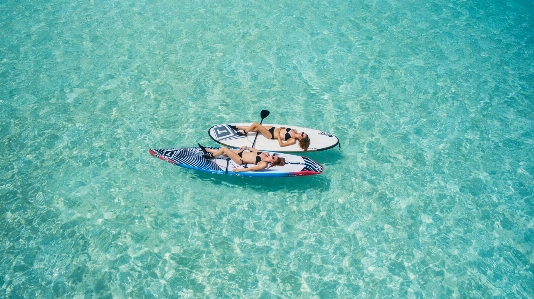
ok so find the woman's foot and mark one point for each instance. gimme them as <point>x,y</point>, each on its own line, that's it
<point>207,154</point>
<point>237,131</point>
<point>241,133</point>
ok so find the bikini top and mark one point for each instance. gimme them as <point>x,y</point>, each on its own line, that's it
<point>287,135</point>
<point>258,158</point>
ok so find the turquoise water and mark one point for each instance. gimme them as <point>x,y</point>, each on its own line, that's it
<point>430,195</point>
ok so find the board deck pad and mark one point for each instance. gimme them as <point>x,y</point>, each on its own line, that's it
<point>225,135</point>
<point>192,157</point>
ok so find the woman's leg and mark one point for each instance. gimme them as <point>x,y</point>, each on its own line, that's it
<point>256,127</point>
<point>252,128</point>
<point>216,152</point>
<point>232,154</point>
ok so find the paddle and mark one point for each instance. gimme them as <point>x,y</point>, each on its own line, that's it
<point>263,114</point>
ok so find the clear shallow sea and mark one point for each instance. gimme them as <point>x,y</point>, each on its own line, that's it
<point>430,196</point>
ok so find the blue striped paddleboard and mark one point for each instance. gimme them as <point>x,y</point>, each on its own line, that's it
<point>192,157</point>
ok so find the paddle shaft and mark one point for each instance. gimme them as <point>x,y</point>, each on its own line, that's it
<point>256,137</point>
<point>263,115</point>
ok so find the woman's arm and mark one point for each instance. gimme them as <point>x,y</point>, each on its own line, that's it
<point>250,149</point>
<point>260,166</point>
<point>290,141</point>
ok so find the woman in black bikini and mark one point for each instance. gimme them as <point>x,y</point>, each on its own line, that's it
<point>241,157</point>
<point>285,136</point>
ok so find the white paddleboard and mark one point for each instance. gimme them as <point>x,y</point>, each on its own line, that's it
<point>224,134</point>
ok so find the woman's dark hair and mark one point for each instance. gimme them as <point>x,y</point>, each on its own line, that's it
<point>304,143</point>
<point>280,162</point>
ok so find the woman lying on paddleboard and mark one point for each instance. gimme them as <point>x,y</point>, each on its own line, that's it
<point>253,156</point>
<point>285,136</point>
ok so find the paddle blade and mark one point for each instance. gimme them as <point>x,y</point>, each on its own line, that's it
<point>264,114</point>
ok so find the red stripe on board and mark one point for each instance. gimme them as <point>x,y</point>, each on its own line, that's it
<point>305,172</point>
